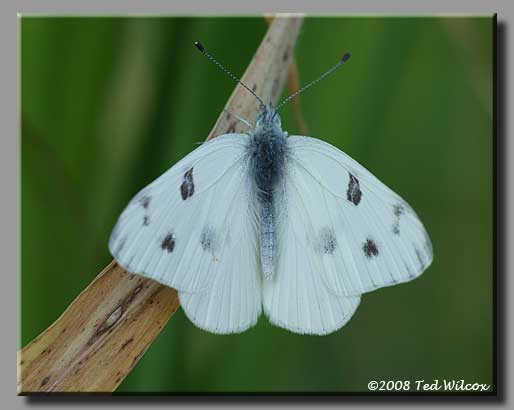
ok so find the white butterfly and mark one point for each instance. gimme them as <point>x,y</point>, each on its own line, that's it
<point>263,220</point>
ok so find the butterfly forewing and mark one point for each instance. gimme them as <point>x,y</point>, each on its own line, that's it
<point>366,235</point>
<point>176,228</point>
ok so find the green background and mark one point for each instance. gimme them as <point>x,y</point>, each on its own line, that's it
<point>108,104</point>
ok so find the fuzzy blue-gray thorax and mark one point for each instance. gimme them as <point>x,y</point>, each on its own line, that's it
<point>268,147</point>
<point>268,122</point>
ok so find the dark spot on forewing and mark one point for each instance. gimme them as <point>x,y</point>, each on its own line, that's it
<point>145,201</point>
<point>398,210</point>
<point>370,248</point>
<point>285,56</point>
<point>354,193</point>
<point>187,189</point>
<point>146,220</point>
<point>168,244</point>
<point>207,239</point>
<point>254,88</point>
<point>328,241</point>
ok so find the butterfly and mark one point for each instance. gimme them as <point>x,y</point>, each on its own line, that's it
<point>264,221</point>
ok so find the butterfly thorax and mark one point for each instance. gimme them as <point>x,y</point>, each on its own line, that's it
<point>267,152</point>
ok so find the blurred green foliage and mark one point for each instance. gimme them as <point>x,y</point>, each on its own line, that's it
<point>108,104</point>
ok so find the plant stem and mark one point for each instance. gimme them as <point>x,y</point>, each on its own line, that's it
<point>105,331</point>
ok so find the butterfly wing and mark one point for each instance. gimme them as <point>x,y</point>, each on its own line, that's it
<point>341,232</point>
<point>193,229</point>
<point>378,240</point>
<point>233,303</point>
<point>295,298</point>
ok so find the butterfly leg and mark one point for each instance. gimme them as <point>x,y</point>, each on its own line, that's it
<point>245,122</point>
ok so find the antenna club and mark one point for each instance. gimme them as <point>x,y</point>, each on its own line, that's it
<point>199,46</point>
<point>346,57</point>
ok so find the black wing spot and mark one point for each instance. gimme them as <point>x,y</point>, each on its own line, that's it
<point>328,241</point>
<point>145,201</point>
<point>398,210</point>
<point>353,193</point>
<point>370,248</point>
<point>168,244</point>
<point>187,189</point>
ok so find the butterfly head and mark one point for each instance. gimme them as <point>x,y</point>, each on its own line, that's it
<point>268,119</point>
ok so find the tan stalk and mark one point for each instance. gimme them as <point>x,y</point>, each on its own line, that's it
<point>104,332</point>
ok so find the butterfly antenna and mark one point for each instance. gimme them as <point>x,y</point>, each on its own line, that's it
<point>343,60</point>
<point>200,47</point>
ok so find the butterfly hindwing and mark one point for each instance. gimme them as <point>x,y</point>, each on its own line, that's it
<point>233,302</point>
<point>368,236</point>
<point>295,297</point>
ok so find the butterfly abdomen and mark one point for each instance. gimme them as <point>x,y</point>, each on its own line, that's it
<point>267,153</point>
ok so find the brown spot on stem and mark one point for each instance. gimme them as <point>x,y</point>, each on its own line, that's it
<point>114,317</point>
<point>137,357</point>
<point>274,87</point>
<point>232,127</point>
<point>126,343</point>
